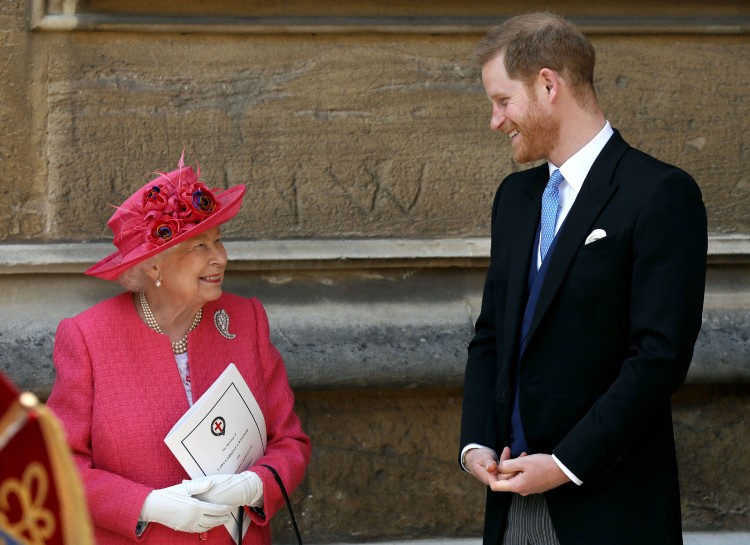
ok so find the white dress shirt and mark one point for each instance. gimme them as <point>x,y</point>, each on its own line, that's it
<point>574,172</point>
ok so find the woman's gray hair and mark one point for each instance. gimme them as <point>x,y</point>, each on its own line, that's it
<point>135,278</point>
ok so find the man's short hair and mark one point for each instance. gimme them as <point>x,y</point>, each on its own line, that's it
<point>540,40</point>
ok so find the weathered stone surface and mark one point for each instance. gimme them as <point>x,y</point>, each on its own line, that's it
<point>712,431</point>
<point>659,93</point>
<point>722,351</point>
<point>343,135</point>
<point>346,135</point>
<point>394,328</point>
<point>23,187</point>
<point>384,465</point>
<point>415,8</point>
<point>376,141</point>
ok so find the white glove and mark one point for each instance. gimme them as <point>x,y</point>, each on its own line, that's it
<point>175,507</point>
<point>236,490</point>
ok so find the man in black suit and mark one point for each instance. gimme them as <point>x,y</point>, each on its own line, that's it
<point>591,308</point>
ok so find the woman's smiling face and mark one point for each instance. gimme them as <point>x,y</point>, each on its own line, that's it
<point>192,271</point>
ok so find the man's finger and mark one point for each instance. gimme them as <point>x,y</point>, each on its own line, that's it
<point>511,466</point>
<point>503,485</point>
<point>491,467</point>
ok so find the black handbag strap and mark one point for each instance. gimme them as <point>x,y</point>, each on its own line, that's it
<point>288,506</point>
<point>288,503</point>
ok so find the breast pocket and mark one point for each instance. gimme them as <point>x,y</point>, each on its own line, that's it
<point>599,272</point>
<point>602,245</point>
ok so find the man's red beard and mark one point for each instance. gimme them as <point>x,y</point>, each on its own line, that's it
<point>538,135</point>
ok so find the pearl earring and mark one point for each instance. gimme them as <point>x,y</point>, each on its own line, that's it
<point>158,282</point>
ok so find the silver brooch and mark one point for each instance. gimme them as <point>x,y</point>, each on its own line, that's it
<point>221,321</point>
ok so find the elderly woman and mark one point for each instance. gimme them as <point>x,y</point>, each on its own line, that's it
<point>129,367</point>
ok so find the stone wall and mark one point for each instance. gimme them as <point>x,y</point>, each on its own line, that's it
<point>339,134</point>
<point>362,134</point>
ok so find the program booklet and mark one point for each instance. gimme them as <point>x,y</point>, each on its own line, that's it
<point>223,432</point>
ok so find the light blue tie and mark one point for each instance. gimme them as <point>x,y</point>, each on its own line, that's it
<point>550,200</point>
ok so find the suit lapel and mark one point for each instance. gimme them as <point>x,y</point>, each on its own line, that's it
<point>526,216</point>
<point>596,191</point>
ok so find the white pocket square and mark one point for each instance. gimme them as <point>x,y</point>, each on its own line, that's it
<point>596,234</point>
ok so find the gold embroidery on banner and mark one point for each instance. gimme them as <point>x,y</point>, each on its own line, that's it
<point>74,522</point>
<point>36,521</point>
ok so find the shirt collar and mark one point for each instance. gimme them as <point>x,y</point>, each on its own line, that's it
<point>575,169</point>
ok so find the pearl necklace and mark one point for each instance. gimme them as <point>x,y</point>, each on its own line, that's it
<point>178,347</point>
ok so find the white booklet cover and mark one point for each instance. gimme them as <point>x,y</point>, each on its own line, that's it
<point>223,432</point>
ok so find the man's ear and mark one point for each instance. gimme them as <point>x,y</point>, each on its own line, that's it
<point>550,81</point>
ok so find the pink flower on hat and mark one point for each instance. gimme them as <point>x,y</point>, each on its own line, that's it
<point>163,230</point>
<point>155,198</point>
<point>175,207</point>
<point>197,200</point>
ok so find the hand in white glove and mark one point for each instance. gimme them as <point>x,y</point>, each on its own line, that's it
<point>175,507</point>
<point>236,490</point>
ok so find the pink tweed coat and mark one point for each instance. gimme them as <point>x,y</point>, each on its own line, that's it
<point>118,392</point>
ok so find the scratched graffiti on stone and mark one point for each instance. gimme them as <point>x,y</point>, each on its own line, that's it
<point>376,185</point>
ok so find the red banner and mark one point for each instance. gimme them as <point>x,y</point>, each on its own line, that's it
<point>41,498</point>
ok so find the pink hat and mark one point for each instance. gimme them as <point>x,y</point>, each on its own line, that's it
<point>166,211</point>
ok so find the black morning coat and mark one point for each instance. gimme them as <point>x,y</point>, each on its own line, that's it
<point>610,341</point>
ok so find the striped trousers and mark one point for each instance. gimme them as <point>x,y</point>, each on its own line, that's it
<point>529,522</point>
